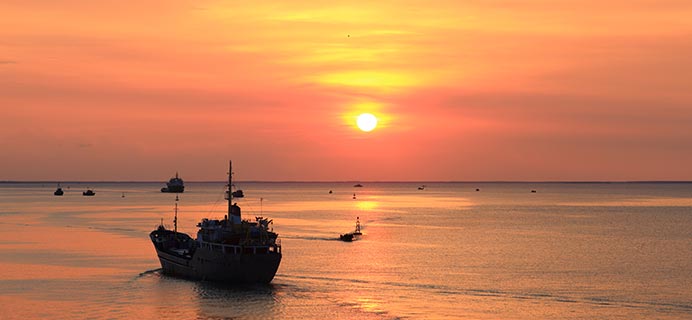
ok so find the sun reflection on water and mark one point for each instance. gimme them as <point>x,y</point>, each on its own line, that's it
<point>367,205</point>
<point>369,304</point>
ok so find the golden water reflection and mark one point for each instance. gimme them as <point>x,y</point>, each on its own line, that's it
<point>640,202</point>
<point>367,205</point>
<point>370,304</point>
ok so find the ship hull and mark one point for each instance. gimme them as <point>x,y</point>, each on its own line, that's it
<point>173,189</point>
<point>208,265</point>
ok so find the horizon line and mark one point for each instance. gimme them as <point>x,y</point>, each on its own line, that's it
<point>356,181</point>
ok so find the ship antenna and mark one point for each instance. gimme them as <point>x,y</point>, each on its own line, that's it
<point>175,219</point>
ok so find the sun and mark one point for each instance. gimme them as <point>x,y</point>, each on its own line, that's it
<point>367,122</point>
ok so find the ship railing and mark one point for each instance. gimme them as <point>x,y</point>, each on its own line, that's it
<point>244,249</point>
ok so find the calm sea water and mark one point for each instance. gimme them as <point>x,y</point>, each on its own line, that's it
<point>575,251</point>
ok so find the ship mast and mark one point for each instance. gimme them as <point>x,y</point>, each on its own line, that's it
<point>230,183</point>
<point>175,219</point>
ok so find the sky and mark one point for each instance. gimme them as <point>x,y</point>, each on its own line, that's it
<point>515,90</point>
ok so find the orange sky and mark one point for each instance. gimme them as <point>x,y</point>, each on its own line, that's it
<point>465,90</point>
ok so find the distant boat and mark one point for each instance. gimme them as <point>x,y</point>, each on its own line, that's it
<point>238,194</point>
<point>330,191</point>
<point>478,189</point>
<point>349,237</point>
<point>357,185</point>
<point>123,196</point>
<point>533,191</point>
<point>421,187</point>
<point>58,191</point>
<point>174,185</point>
<point>89,192</point>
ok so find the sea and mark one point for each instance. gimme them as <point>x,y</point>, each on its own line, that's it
<point>472,250</point>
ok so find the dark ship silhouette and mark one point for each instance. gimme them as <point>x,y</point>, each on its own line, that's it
<point>231,250</point>
<point>348,237</point>
<point>58,191</point>
<point>174,185</point>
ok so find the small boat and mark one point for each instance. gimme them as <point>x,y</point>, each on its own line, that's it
<point>421,187</point>
<point>533,191</point>
<point>351,236</point>
<point>89,192</point>
<point>58,191</point>
<point>357,185</point>
<point>238,194</point>
<point>330,191</point>
<point>174,185</point>
<point>123,196</point>
<point>348,237</point>
<point>478,189</point>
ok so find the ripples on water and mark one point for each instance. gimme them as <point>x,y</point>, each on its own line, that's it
<point>578,251</point>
